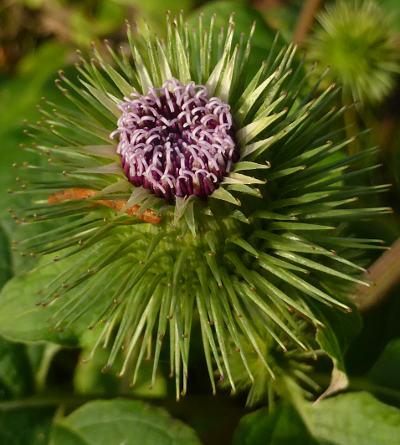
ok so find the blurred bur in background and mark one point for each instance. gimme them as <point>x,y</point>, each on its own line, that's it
<point>357,40</point>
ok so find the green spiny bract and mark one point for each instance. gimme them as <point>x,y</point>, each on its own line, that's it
<point>356,39</point>
<point>247,265</point>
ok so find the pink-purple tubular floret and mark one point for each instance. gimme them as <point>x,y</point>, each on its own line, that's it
<point>176,141</point>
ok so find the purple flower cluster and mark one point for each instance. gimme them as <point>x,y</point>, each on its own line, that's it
<point>176,141</point>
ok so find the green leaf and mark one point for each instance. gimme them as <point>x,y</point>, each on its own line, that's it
<point>63,435</point>
<point>22,320</point>
<point>18,96</point>
<point>282,426</point>
<point>15,370</point>
<point>385,372</point>
<point>22,426</point>
<point>354,419</point>
<point>121,422</point>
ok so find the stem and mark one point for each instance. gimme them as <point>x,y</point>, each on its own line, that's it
<point>43,401</point>
<point>384,274</point>
<point>68,400</point>
<point>306,20</point>
<point>50,351</point>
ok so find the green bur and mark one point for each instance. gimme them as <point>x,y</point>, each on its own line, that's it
<point>251,268</point>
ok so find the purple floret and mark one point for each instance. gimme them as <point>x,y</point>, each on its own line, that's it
<point>176,141</point>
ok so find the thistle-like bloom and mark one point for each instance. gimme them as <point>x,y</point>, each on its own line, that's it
<point>218,202</point>
<point>176,141</point>
<point>356,39</point>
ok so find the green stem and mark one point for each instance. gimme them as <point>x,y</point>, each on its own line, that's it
<point>50,351</point>
<point>37,402</point>
<point>65,400</point>
<point>290,390</point>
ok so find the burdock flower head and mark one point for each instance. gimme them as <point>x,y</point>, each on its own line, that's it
<point>187,193</point>
<point>176,141</point>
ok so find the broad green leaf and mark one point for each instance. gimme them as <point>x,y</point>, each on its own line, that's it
<point>125,422</point>
<point>16,365</point>
<point>15,370</point>
<point>23,426</point>
<point>63,435</point>
<point>22,320</point>
<point>18,96</point>
<point>386,371</point>
<point>281,426</point>
<point>354,419</point>
<point>346,419</point>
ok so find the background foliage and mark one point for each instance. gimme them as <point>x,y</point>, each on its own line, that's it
<point>48,395</point>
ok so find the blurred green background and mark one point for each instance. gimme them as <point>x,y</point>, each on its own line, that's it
<point>39,37</point>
